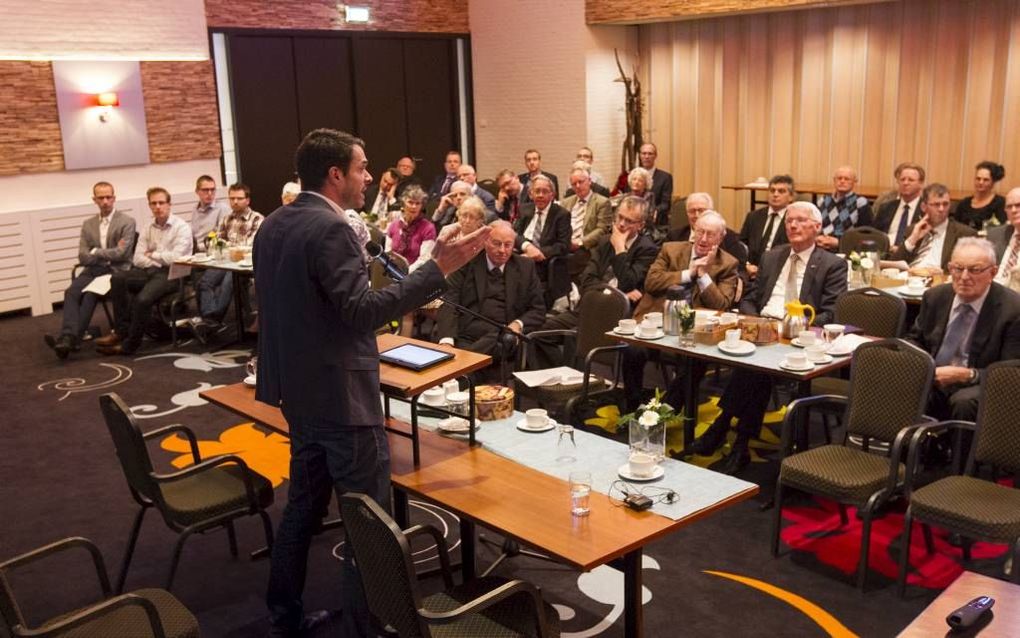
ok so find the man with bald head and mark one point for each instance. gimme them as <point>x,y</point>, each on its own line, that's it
<point>842,210</point>
<point>797,271</point>
<point>1006,239</point>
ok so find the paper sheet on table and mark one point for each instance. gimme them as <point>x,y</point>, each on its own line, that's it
<point>550,376</point>
<point>99,286</point>
<point>848,342</point>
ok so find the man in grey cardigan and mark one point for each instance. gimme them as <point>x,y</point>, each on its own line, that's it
<point>106,244</point>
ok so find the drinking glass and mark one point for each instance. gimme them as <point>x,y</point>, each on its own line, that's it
<point>566,448</point>
<point>580,493</point>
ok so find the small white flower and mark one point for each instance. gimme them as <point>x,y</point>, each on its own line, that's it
<point>867,263</point>
<point>649,418</point>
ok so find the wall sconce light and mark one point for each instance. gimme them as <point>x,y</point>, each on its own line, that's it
<point>106,101</point>
<point>356,14</point>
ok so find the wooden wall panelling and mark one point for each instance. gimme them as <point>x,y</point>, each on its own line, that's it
<point>815,116</point>
<point>380,102</point>
<point>322,72</point>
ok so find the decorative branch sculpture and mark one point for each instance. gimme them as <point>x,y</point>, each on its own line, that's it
<point>633,106</point>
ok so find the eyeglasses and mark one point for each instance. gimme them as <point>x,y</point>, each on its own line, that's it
<point>974,271</point>
<point>207,190</point>
<point>496,244</point>
<point>796,221</point>
<point>629,222</point>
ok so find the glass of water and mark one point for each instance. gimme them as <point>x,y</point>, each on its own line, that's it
<point>566,448</point>
<point>580,493</point>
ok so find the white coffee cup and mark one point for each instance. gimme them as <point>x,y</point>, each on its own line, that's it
<point>536,418</point>
<point>450,387</point>
<point>833,331</point>
<point>641,464</point>
<point>733,337</point>
<point>796,360</point>
<point>434,396</point>
<point>815,352</point>
<point>727,318</point>
<point>626,326</point>
<point>647,329</point>
<point>655,318</point>
<point>806,338</point>
<point>915,284</point>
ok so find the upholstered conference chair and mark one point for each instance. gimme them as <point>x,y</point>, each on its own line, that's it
<point>145,612</point>
<point>976,509</point>
<point>889,384</point>
<point>852,239</point>
<point>481,607</point>
<point>210,493</point>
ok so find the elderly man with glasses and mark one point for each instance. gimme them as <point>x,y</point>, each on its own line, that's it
<point>966,326</point>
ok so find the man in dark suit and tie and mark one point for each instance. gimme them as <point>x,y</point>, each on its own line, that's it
<point>966,326</point>
<point>533,162</point>
<point>764,228</point>
<point>929,243</point>
<point>106,244</point>
<point>662,184</point>
<point>499,285</point>
<point>1006,239</point>
<point>509,197</point>
<point>441,185</point>
<point>895,216</point>
<point>317,357</point>
<point>800,271</point>
<point>543,232</point>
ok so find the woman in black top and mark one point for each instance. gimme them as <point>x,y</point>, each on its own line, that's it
<point>976,210</point>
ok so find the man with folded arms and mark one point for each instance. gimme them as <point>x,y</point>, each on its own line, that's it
<point>135,291</point>
<point>620,260</point>
<point>895,216</point>
<point>800,271</point>
<point>763,228</point>
<point>499,285</point>
<point>1006,240</point>
<point>929,242</point>
<point>966,326</point>
<point>843,209</point>
<point>590,219</point>
<point>700,264</point>
<point>104,246</point>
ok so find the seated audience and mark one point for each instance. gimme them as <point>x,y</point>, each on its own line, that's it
<point>660,183</point>
<point>405,168</point>
<point>381,198</point>
<point>466,173</point>
<point>533,162</point>
<point>446,211</point>
<point>586,155</point>
<point>290,192</point>
<point>800,271</point>
<point>508,200</point>
<point>216,287</point>
<point>472,214</point>
<point>896,215</point>
<point>105,245</point>
<point>966,326</point>
<point>709,271</point>
<point>621,260</point>
<point>1006,239</point>
<point>639,183</point>
<point>135,291</point>
<point>499,285</point>
<point>695,205</point>
<point>598,188</point>
<point>412,236</point>
<point>441,185</point>
<point>764,228</point>
<point>590,219</point>
<point>929,242</point>
<point>543,232</point>
<point>985,206</point>
<point>843,209</point>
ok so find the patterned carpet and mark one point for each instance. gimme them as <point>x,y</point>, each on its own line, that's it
<point>60,478</point>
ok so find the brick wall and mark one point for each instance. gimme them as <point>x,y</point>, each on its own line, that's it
<point>425,16</point>
<point>180,110</point>
<point>29,133</point>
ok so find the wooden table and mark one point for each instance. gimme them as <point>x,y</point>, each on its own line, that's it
<point>1005,622</point>
<point>481,487</point>
<point>818,190</point>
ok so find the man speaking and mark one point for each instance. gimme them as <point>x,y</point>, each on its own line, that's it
<point>318,359</point>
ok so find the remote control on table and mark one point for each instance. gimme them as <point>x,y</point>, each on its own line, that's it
<point>966,616</point>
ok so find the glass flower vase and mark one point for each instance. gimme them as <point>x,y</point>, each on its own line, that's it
<point>648,439</point>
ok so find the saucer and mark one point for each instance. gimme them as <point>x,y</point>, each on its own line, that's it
<point>457,425</point>
<point>624,472</point>
<point>245,264</point>
<point>825,359</point>
<point>805,368</point>
<point>201,260</point>
<point>659,334</point>
<point>439,404</point>
<point>906,292</point>
<point>250,380</point>
<point>620,332</point>
<point>742,348</point>
<point>841,353</point>
<point>522,425</point>
<point>795,342</point>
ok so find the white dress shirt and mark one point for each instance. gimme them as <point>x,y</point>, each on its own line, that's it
<point>165,243</point>
<point>895,225</point>
<point>530,230</point>
<point>932,254</point>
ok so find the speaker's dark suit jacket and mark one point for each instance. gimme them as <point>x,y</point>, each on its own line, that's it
<point>468,287</point>
<point>751,233</point>
<point>318,314</point>
<point>954,231</point>
<point>824,281</point>
<point>886,212</point>
<point>996,335</point>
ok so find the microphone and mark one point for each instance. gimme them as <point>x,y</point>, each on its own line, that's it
<point>376,252</point>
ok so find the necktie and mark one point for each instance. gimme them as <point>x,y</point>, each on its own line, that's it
<point>951,351</point>
<point>768,228</point>
<point>923,248</point>
<point>446,185</point>
<point>1013,254</point>
<point>515,210</point>
<point>536,235</point>
<point>904,219</point>
<point>792,294</point>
